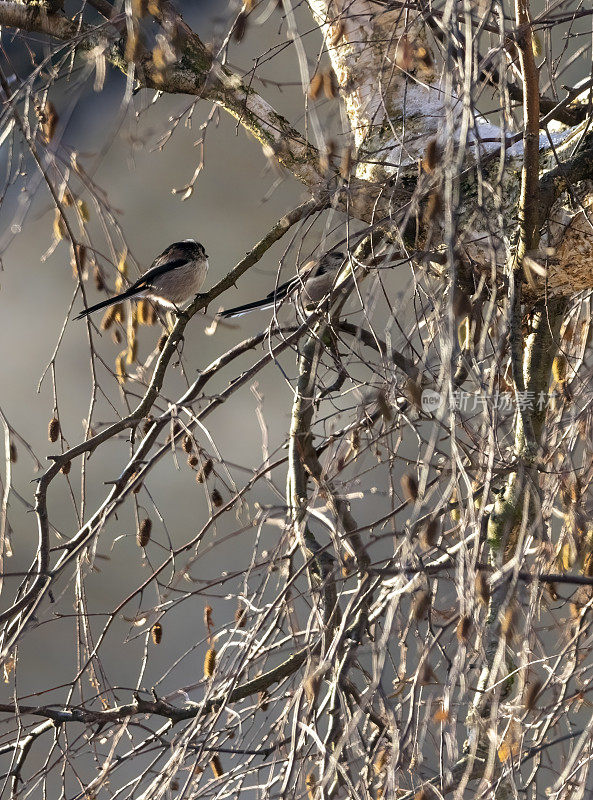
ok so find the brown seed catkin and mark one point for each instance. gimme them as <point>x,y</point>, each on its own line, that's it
<point>209,663</point>
<point>316,85</point>
<point>509,621</point>
<point>426,674</point>
<point>97,275</point>
<point>208,621</point>
<point>463,628</point>
<point>157,632</point>
<point>329,84</point>
<point>409,487</point>
<point>311,686</point>
<point>142,311</point>
<point>216,767</point>
<point>109,317</point>
<point>204,473</point>
<point>434,206</point>
<point>345,163</point>
<point>53,429</point>
<point>431,156</point>
<point>420,605</point>
<point>559,369</point>
<point>429,534</point>
<point>482,587</point>
<point>144,531</point>
<point>66,468</point>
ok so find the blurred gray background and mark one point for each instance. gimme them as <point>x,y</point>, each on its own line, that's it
<point>231,208</point>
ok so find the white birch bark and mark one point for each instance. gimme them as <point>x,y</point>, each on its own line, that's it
<point>392,119</point>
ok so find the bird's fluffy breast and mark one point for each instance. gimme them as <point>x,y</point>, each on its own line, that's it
<point>181,283</point>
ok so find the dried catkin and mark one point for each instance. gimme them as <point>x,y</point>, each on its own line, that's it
<point>209,663</point>
<point>559,369</point>
<point>329,84</point>
<point>420,605</point>
<point>409,488</point>
<point>144,531</point>
<point>482,587</point>
<point>203,474</point>
<point>109,317</point>
<point>429,534</point>
<point>463,628</point>
<point>316,85</point>
<point>216,767</point>
<point>157,632</point>
<point>431,156</point>
<point>53,429</point>
<point>345,163</point>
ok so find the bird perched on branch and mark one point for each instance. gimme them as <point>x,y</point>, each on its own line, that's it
<point>313,282</point>
<point>174,277</point>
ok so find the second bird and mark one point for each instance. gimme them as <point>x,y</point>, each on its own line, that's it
<point>310,286</point>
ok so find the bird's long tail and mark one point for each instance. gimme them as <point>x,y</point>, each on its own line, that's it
<point>110,302</point>
<point>257,305</point>
<point>269,301</point>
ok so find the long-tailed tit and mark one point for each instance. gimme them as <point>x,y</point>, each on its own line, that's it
<point>174,277</point>
<point>311,285</point>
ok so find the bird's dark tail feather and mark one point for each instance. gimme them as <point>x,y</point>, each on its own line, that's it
<point>105,303</point>
<point>238,311</point>
<point>269,301</point>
